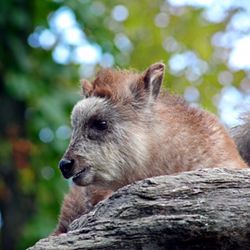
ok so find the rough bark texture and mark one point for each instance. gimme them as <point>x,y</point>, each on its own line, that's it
<point>206,209</point>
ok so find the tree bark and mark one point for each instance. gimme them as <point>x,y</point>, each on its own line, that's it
<point>205,209</point>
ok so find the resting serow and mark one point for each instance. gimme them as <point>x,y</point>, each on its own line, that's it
<point>126,129</point>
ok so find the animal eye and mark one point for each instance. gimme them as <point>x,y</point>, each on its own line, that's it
<point>99,125</point>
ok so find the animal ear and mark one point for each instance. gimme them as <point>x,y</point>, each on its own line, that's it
<point>86,88</point>
<point>153,77</point>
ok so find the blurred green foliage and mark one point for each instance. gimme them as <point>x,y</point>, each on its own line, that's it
<point>38,92</point>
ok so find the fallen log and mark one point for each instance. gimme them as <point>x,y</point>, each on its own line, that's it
<point>204,209</point>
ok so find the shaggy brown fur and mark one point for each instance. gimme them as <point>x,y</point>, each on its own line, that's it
<point>125,130</point>
<point>79,201</point>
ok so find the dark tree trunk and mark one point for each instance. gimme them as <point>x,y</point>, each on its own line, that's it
<point>206,209</point>
<point>15,206</point>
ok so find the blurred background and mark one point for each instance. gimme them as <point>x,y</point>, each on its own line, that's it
<point>47,46</point>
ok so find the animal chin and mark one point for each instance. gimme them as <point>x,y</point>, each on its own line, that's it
<point>79,177</point>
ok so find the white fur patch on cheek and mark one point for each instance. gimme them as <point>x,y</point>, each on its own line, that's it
<point>107,161</point>
<point>106,177</point>
<point>139,145</point>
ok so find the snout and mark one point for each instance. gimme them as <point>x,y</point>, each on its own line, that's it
<point>66,167</point>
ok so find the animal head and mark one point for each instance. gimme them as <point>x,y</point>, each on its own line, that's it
<point>111,124</point>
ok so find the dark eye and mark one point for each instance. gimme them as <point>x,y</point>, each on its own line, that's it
<point>99,125</point>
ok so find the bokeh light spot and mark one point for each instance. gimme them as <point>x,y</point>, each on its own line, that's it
<point>225,78</point>
<point>191,94</point>
<point>61,54</point>
<point>46,135</point>
<point>47,172</point>
<point>239,57</point>
<point>63,132</point>
<point>73,36</point>
<point>161,20</point>
<point>120,13</point>
<point>107,60</point>
<point>47,39</point>
<point>123,43</point>
<point>61,19</point>
<point>87,53</point>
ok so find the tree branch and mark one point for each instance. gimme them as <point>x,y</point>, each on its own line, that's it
<point>205,209</point>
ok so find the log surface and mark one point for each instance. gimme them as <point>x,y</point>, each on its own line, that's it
<point>204,209</point>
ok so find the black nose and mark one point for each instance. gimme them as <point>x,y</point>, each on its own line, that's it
<point>66,167</point>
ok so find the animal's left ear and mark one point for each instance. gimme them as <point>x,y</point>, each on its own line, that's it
<point>153,77</point>
<point>86,88</point>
